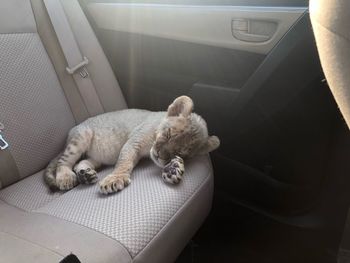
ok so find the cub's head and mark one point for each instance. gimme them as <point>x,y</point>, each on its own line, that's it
<point>182,133</point>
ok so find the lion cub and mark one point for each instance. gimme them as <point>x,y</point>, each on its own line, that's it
<point>123,138</point>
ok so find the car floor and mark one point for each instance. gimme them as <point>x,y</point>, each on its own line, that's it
<point>233,233</point>
<point>344,251</point>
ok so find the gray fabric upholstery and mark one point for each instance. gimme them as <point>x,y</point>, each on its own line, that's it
<point>33,107</point>
<point>150,219</point>
<point>331,23</point>
<point>134,216</point>
<point>29,194</point>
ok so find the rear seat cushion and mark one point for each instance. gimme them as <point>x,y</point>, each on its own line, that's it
<point>29,194</point>
<point>133,217</point>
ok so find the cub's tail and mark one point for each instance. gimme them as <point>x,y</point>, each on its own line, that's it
<point>50,174</point>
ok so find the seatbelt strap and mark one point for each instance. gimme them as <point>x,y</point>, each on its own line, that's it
<point>9,171</point>
<point>49,38</point>
<point>102,75</point>
<point>76,61</point>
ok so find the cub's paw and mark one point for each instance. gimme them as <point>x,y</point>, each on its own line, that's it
<point>114,183</point>
<point>172,173</point>
<point>65,178</point>
<point>86,176</point>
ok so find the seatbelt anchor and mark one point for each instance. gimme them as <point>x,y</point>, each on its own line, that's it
<point>83,71</point>
<point>3,143</point>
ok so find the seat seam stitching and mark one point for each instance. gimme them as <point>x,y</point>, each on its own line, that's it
<point>96,231</point>
<point>32,242</point>
<point>332,31</point>
<point>48,215</point>
<point>7,203</point>
<point>19,33</point>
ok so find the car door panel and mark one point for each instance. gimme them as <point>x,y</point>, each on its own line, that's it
<point>254,29</point>
<point>261,98</point>
<point>163,69</point>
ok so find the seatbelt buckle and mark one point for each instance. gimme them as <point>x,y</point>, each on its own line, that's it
<point>3,143</point>
<point>81,67</point>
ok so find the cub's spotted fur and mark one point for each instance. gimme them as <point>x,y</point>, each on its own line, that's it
<point>122,138</point>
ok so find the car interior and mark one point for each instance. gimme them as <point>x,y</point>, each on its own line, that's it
<point>271,79</point>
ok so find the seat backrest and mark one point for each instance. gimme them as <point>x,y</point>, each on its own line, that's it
<point>33,107</point>
<point>331,22</point>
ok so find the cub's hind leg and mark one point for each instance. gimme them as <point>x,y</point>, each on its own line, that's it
<point>77,145</point>
<point>86,171</point>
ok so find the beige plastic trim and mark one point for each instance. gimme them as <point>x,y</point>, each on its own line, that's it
<point>208,25</point>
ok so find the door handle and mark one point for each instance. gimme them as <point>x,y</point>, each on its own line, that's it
<point>247,37</point>
<point>242,30</point>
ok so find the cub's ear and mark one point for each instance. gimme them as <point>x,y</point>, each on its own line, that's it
<point>181,106</point>
<point>212,143</point>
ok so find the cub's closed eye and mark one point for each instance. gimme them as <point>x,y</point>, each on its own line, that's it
<point>168,134</point>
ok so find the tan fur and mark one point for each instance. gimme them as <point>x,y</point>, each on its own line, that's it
<point>122,138</point>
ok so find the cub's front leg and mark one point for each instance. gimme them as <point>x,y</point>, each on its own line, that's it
<point>129,156</point>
